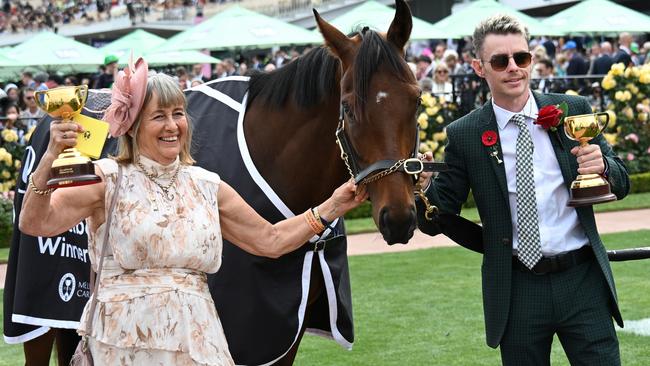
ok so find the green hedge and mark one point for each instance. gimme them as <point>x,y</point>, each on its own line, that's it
<point>639,182</point>
<point>6,224</point>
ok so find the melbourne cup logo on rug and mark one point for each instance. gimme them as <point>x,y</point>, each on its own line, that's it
<point>67,286</point>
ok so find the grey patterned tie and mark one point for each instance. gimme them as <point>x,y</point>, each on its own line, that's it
<point>530,250</point>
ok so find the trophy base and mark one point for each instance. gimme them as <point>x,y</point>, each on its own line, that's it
<point>73,175</point>
<point>589,190</point>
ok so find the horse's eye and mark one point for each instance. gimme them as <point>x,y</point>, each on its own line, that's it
<point>346,109</point>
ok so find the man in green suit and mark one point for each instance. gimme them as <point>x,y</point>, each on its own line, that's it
<point>545,270</point>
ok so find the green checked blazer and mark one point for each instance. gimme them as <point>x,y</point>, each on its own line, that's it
<point>472,167</point>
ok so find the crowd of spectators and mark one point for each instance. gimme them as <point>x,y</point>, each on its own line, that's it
<point>442,69</point>
<point>33,16</point>
<point>578,64</point>
<point>24,16</point>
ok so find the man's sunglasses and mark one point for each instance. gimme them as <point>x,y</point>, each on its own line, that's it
<point>500,62</point>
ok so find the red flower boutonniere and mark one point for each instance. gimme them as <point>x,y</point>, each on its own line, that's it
<point>490,139</point>
<point>551,116</point>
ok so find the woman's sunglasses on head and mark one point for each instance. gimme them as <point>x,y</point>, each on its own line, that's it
<point>500,62</point>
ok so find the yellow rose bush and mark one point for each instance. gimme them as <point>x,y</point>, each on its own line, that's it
<point>11,153</point>
<point>433,117</point>
<point>627,91</point>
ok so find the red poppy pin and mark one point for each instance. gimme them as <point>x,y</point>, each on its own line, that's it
<point>489,138</point>
<point>551,116</point>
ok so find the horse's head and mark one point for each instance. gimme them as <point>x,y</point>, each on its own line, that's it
<point>379,99</point>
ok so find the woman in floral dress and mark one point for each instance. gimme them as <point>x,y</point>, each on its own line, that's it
<point>153,304</point>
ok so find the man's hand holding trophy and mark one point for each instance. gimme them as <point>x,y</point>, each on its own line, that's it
<point>83,135</point>
<point>587,189</point>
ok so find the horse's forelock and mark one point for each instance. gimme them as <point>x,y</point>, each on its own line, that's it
<point>375,51</point>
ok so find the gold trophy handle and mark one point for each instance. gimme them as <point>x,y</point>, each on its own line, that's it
<point>82,91</point>
<point>42,100</point>
<point>606,115</point>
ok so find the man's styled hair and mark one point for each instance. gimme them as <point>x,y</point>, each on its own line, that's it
<point>498,24</point>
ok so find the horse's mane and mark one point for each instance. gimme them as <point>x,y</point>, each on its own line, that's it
<point>312,76</point>
<point>308,79</point>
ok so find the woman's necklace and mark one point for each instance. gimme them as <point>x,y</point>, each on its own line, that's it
<point>165,188</point>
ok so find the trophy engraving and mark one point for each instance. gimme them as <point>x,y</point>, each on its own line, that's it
<point>71,168</point>
<point>587,189</point>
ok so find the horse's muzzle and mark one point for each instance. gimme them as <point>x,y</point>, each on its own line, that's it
<point>395,226</point>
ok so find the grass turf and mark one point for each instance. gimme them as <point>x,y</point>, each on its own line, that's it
<point>424,308</point>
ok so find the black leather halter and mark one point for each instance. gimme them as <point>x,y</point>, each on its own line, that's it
<point>379,169</point>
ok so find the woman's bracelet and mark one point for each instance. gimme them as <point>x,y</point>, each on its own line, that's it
<point>42,192</point>
<point>319,217</point>
<point>315,224</point>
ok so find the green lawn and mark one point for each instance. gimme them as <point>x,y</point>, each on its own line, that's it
<point>4,255</point>
<point>424,308</point>
<point>631,202</point>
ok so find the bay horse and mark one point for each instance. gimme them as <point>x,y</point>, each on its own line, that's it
<point>356,92</point>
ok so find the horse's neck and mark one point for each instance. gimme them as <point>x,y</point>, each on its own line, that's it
<point>295,151</point>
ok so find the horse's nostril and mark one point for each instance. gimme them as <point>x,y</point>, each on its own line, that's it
<point>383,216</point>
<point>413,215</point>
<point>384,221</point>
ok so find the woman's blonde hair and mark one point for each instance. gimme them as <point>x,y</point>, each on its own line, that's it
<point>169,95</point>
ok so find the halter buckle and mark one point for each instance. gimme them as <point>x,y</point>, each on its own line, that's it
<point>413,166</point>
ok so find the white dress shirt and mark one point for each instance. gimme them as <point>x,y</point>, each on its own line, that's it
<point>559,228</point>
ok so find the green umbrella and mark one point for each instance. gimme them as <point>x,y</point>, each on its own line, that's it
<point>462,23</point>
<point>53,52</point>
<point>237,27</point>
<point>138,41</point>
<point>9,68</point>
<point>378,17</point>
<point>7,61</point>
<point>599,17</point>
<point>178,58</point>
<point>143,43</point>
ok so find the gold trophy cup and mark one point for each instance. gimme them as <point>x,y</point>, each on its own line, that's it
<point>587,189</point>
<point>71,168</point>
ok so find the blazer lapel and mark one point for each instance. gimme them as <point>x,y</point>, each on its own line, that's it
<point>561,145</point>
<point>489,122</point>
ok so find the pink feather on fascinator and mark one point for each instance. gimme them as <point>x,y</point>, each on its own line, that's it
<point>127,97</point>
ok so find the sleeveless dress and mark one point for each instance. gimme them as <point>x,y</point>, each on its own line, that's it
<point>154,306</point>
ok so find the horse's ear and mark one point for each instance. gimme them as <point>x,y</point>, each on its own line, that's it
<point>400,29</point>
<point>337,42</point>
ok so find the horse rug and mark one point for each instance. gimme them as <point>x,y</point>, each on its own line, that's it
<point>261,302</point>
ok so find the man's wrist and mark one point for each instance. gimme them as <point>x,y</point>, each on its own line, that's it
<point>606,169</point>
<point>426,188</point>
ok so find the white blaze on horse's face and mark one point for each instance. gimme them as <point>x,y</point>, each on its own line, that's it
<point>381,96</point>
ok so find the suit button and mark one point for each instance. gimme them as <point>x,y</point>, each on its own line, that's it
<point>506,242</point>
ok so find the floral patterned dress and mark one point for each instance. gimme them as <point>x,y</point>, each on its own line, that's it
<point>154,306</point>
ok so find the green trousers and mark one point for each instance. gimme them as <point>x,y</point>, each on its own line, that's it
<point>574,304</point>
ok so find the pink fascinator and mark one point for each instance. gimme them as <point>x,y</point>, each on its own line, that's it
<point>127,97</point>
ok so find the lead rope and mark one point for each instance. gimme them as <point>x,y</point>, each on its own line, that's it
<point>430,209</point>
